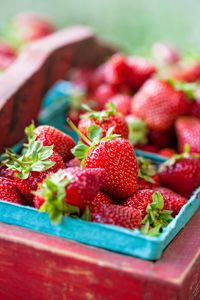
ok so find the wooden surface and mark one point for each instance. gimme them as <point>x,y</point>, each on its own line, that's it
<point>24,84</point>
<point>37,266</point>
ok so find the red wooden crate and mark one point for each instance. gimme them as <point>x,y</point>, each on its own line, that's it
<point>38,266</point>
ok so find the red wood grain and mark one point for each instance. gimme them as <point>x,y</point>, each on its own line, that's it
<point>38,266</point>
<point>24,84</point>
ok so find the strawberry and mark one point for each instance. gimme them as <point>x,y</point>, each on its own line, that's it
<point>161,138</point>
<point>190,73</point>
<point>140,69</point>
<point>7,173</point>
<point>116,70</point>
<point>188,132</point>
<point>68,188</point>
<point>195,107</point>
<point>74,162</point>
<point>34,164</point>
<point>175,201</point>
<point>147,175</point>
<point>156,216</point>
<point>122,103</point>
<point>148,148</point>
<point>102,199</point>
<point>9,191</point>
<point>29,184</point>
<point>83,76</point>
<point>7,55</point>
<point>117,157</point>
<point>118,215</point>
<point>104,119</point>
<point>112,153</point>
<point>30,26</point>
<point>102,94</point>
<point>97,78</point>
<point>181,173</point>
<point>165,53</point>
<point>159,104</point>
<point>141,199</point>
<point>167,152</point>
<point>132,71</point>
<point>62,142</point>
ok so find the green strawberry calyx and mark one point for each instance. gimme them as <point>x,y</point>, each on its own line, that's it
<point>188,88</point>
<point>94,137</point>
<point>146,169</point>
<point>177,157</point>
<point>34,157</point>
<point>5,158</point>
<point>99,115</point>
<point>156,218</point>
<point>53,190</point>
<point>138,131</point>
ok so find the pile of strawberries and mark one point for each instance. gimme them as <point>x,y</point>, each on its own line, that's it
<point>100,179</point>
<point>22,29</point>
<point>129,103</point>
<point>159,98</point>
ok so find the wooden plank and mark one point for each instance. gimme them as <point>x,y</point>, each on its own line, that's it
<point>39,266</point>
<point>24,84</point>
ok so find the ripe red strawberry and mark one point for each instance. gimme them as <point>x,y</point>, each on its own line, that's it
<point>83,76</point>
<point>7,173</point>
<point>7,55</point>
<point>167,152</point>
<point>116,70</point>
<point>156,216</point>
<point>34,164</point>
<point>115,155</point>
<point>102,94</point>
<point>159,104</point>
<point>189,74</point>
<point>29,184</point>
<point>118,215</point>
<point>140,69</point>
<point>102,199</point>
<point>76,187</point>
<point>161,138</point>
<point>195,107</point>
<point>165,53</point>
<point>175,201</point>
<point>97,78</point>
<point>104,119</point>
<point>181,173</point>
<point>148,148</point>
<point>62,142</point>
<point>145,184</point>
<point>142,198</point>
<point>188,132</point>
<point>9,191</point>
<point>122,103</point>
<point>30,26</point>
<point>147,176</point>
<point>74,162</point>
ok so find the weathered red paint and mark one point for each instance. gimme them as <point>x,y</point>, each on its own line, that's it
<point>37,266</point>
<point>23,85</point>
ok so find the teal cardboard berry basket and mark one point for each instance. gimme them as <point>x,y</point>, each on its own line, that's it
<point>110,237</point>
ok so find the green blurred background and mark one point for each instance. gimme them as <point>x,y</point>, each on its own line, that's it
<point>133,24</point>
